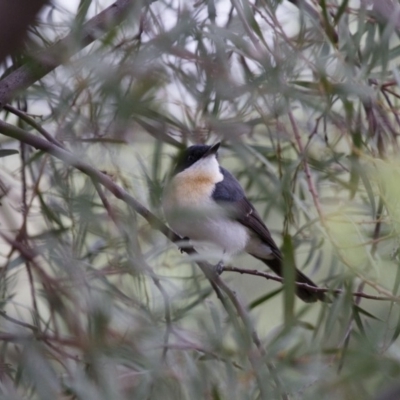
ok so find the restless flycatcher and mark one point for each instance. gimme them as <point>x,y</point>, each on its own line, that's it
<point>205,203</point>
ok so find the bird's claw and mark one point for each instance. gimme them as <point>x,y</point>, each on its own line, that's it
<point>219,268</point>
<point>184,239</point>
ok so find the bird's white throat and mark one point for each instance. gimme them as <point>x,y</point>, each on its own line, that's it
<point>206,168</point>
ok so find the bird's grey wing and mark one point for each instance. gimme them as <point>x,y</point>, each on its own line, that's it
<point>231,193</point>
<point>249,217</point>
<point>229,189</point>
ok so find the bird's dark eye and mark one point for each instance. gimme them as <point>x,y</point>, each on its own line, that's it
<point>190,158</point>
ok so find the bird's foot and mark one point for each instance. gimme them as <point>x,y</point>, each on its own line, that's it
<point>184,239</point>
<point>219,268</point>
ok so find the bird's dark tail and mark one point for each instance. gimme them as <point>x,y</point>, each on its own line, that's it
<point>307,295</point>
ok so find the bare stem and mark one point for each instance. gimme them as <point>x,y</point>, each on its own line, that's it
<point>275,278</point>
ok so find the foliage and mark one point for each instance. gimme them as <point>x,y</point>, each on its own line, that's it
<point>98,304</point>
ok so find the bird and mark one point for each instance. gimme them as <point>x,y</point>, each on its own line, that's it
<point>205,203</point>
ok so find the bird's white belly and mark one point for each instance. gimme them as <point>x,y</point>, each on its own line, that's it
<point>229,236</point>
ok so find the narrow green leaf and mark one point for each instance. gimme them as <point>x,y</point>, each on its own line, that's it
<point>366,313</point>
<point>358,320</point>
<point>7,152</point>
<point>289,276</point>
<point>396,332</point>
<point>370,193</point>
<point>341,10</point>
<point>260,300</point>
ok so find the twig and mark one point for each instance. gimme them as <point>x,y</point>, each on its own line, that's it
<point>191,347</point>
<point>315,16</point>
<point>11,337</point>
<point>310,182</point>
<point>275,278</point>
<point>311,11</point>
<point>30,121</point>
<point>383,91</point>
<point>255,40</point>
<point>23,236</point>
<point>20,323</point>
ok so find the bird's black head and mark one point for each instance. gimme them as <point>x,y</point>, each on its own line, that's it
<point>194,153</point>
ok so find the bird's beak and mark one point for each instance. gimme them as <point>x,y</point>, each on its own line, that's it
<point>212,150</point>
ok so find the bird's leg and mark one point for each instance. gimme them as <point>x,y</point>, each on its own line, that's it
<point>184,239</point>
<point>219,267</point>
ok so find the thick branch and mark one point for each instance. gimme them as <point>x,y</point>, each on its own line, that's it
<point>54,56</point>
<point>386,12</point>
<point>15,17</point>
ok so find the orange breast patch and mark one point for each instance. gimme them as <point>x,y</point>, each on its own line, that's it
<point>192,190</point>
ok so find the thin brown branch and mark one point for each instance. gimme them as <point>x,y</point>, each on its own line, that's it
<point>11,337</point>
<point>15,321</point>
<point>23,235</point>
<point>30,121</point>
<point>392,109</point>
<point>275,278</point>
<point>315,16</point>
<point>310,182</point>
